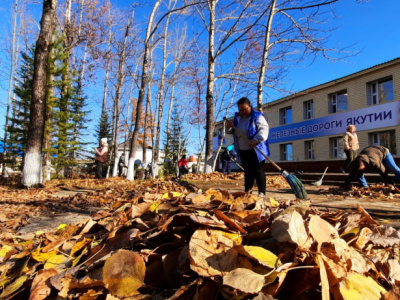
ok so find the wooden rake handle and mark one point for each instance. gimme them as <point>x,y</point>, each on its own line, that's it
<point>273,163</point>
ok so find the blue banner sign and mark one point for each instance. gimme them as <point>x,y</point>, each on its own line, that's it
<point>372,117</point>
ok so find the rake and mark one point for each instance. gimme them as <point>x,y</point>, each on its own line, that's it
<point>295,183</point>
<point>319,182</point>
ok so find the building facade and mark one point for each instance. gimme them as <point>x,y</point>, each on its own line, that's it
<point>306,128</point>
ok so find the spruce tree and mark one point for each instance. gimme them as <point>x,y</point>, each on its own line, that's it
<point>175,144</point>
<point>79,121</point>
<point>62,114</point>
<point>20,119</point>
<point>104,127</point>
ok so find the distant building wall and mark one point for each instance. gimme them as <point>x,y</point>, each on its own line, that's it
<point>369,99</point>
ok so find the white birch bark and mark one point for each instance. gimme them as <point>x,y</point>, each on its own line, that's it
<point>120,82</point>
<point>144,79</point>
<point>32,168</point>
<point>210,90</point>
<point>10,88</point>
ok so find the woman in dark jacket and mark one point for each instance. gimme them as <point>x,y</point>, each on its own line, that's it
<point>373,159</point>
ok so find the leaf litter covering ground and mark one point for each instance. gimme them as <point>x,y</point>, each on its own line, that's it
<point>272,181</point>
<point>168,240</point>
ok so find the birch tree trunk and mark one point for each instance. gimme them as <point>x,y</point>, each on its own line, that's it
<point>210,89</point>
<point>263,67</point>
<point>31,172</point>
<point>142,88</point>
<point>120,82</point>
<point>10,88</point>
<point>145,126</point>
<point>161,99</point>
<point>104,103</point>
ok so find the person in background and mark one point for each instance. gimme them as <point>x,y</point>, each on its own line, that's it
<point>372,159</point>
<point>101,157</point>
<point>183,165</point>
<point>121,164</point>
<point>350,146</point>
<point>149,171</point>
<point>250,128</point>
<point>226,158</point>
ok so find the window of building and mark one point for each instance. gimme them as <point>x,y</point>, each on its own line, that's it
<point>337,102</point>
<point>336,147</point>
<point>286,152</point>
<point>380,91</point>
<point>308,110</point>
<point>309,150</point>
<point>384,138</point>
<point>285,115</point>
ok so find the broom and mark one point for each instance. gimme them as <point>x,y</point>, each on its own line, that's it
<point>295,183</point>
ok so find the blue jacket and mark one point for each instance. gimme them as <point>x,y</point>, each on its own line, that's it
<point>252,131</point>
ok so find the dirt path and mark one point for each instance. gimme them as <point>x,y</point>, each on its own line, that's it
<point>49,221</point>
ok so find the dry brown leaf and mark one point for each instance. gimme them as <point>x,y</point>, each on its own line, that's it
<point>196,198</point>
<point>384,236</point>
<point>363,238</point>
<point>232,224</point>
<point>290,228</point>
<point>124,273</point>
<point>246,216</point>
<point>235,280</point>
<point>211,252</point>
<point>336,269</point>
<point>321,230</point>
<point>394,270</point>
<point>139,209</point>
<point>358,262</point>
<point>324,278</point>
<point>41,288</point>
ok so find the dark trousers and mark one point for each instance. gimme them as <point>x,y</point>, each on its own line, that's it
<point>120,170</point>
<point>226,167</point>
<point>253,170</point>
<point>350,156</point>
<point>99,169</point>
<point>183,171</point>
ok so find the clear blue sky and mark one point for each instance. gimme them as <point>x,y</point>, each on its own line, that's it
<point>374,29</point>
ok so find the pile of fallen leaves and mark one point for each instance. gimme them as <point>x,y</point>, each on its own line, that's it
<point>276,181</point>
<point>160,240</point>
<point>215,176</point>
<point>379,191</point>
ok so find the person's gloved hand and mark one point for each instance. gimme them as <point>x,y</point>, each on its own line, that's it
<point>253,143</point>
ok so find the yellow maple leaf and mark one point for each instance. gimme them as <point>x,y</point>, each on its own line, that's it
<point>273,202</point>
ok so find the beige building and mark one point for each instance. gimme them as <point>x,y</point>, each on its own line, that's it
<point>306,128</point>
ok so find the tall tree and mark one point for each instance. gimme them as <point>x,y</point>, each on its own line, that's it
<point>142,90</point>
<point>175,143</point>
<point>120,81</point>
<point>104,127</point>
<point>31,172</point>
<point>10,88</point>
<point>298,28</point>
<point>230,33</point>
<point>20,120</point>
